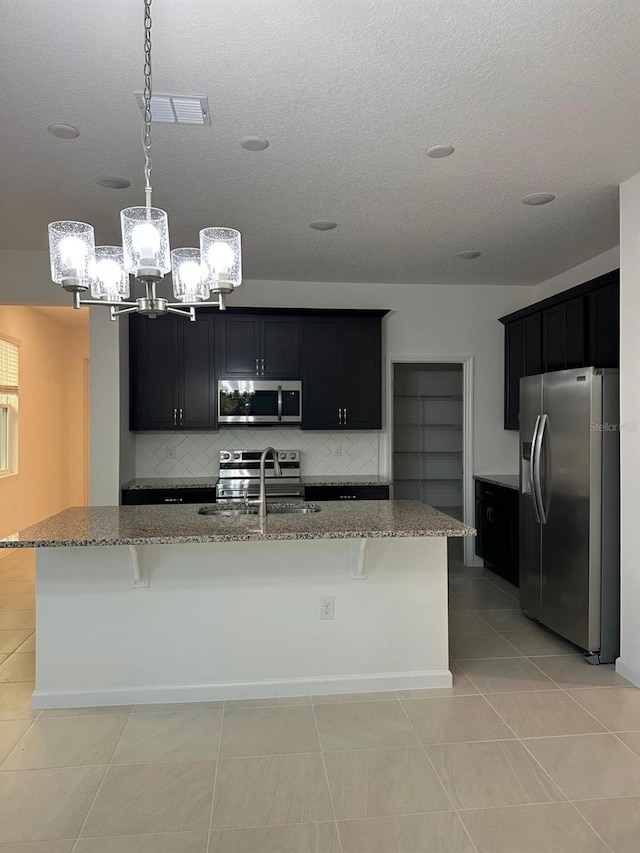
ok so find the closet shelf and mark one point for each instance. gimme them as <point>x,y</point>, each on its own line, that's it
<point>432,454</point>
<point>439,397</point>
<point>444,481</point>
<point>431,426</point>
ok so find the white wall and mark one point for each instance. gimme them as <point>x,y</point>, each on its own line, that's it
<point>607,261</point>
<point>629,661</point>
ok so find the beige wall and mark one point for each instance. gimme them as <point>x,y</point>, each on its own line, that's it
<point>52,470</point>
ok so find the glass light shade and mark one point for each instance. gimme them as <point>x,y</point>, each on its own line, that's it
<point>71,252</point>
<point>145,241</point>
<point>109,281</point>
<point>186,271</point>
<point>221,259</point>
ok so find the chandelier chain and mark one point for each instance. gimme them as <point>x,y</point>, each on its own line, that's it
<point>146,129</point>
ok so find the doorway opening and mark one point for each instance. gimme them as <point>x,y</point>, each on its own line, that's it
<point>430,444</point>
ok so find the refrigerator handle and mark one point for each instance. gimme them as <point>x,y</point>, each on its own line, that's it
<point>537,479</point>
<point>532,462</point>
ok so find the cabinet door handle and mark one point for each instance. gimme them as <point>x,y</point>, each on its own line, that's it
<point>348,498</point>
<point>257,367</point>
<point>173,500</point>
<point>339,416</point>
<point>489,513</point>
<point>175,417</point>
<point>345,416</point>
<point>181,416</point>
<point>262,363</point>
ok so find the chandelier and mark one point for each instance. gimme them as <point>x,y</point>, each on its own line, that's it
<point>77,264</point>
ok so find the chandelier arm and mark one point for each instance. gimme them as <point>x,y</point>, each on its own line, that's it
<point>116,312</point>
<point>189,312</point>
<point>77,303</point>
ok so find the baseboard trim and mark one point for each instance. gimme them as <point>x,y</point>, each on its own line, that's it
<point>375,682</point>
<point>629,672</point>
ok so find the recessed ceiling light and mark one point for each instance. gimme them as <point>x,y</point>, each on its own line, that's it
<point>254,143</point>
<point>468,256</point>
<point>538,198</point>
<point>323,225</point>
<point>64,131</point>
<point>438,151</point>
<point>113,183</point>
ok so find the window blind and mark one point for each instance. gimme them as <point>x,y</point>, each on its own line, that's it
<point>8,367</point>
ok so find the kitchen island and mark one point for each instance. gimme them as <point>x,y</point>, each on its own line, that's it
<point>164,604</point>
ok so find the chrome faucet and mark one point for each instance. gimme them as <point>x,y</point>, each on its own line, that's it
<point>277,470</point>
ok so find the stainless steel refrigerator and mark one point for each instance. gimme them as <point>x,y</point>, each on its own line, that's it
<point>570,506</point>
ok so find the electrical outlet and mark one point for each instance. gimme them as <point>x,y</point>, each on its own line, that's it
<point>328,607</point>
<point>171,452</point>
<point>337,450</point>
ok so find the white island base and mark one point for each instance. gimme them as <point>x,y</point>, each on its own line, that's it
<point>237,620</point>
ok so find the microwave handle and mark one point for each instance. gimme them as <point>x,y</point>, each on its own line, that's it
<point>279,402</point>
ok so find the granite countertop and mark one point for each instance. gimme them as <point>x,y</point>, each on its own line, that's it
<point>136,525</point>
<point>508,481</point>
<point>212,482</point>
<point>171,483</point>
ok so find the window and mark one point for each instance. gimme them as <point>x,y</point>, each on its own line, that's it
<point>9,353</point>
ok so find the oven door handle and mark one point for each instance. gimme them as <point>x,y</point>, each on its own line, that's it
<point>279,402</point>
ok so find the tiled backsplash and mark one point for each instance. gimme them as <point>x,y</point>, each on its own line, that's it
<point>197,453</point>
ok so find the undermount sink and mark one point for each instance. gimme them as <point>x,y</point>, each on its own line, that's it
<point>272,509</point>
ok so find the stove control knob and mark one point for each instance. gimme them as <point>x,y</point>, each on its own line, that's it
<point>225,455</point>
<point>292,456</point>
<point>236,455</point>
<point>282,455</point>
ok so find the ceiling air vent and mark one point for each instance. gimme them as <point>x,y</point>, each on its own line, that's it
<point>177,109</point>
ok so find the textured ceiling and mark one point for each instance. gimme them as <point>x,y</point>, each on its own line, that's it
<point>535,96</point>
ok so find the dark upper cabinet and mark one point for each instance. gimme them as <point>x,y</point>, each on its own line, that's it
<point>250,346</point>
<point>152,376</point>
<point>604,327</point>
<point>172,373</point>
<point>321,385</point>
<point>238,346</point>
<point>563,335</point>
<point>280,347</point>
<point>523,357</point>
<point>195,363</point>
<point>342,374</point>
<point>577,328</point>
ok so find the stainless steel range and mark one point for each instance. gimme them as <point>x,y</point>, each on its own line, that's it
<point>240,476</point>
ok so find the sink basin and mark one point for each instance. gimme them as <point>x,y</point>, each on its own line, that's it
<point>235,511</point>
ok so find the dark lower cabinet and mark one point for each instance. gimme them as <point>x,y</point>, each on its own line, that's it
<point>497,529</point>
<point>172,373</point>
<point>346,493</point>
<point>342,373</point>
<point>138,497</point>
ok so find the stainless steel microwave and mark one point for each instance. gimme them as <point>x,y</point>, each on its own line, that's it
<point>259,401</point>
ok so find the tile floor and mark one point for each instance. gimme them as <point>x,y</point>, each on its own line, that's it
<point>532,750</point>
